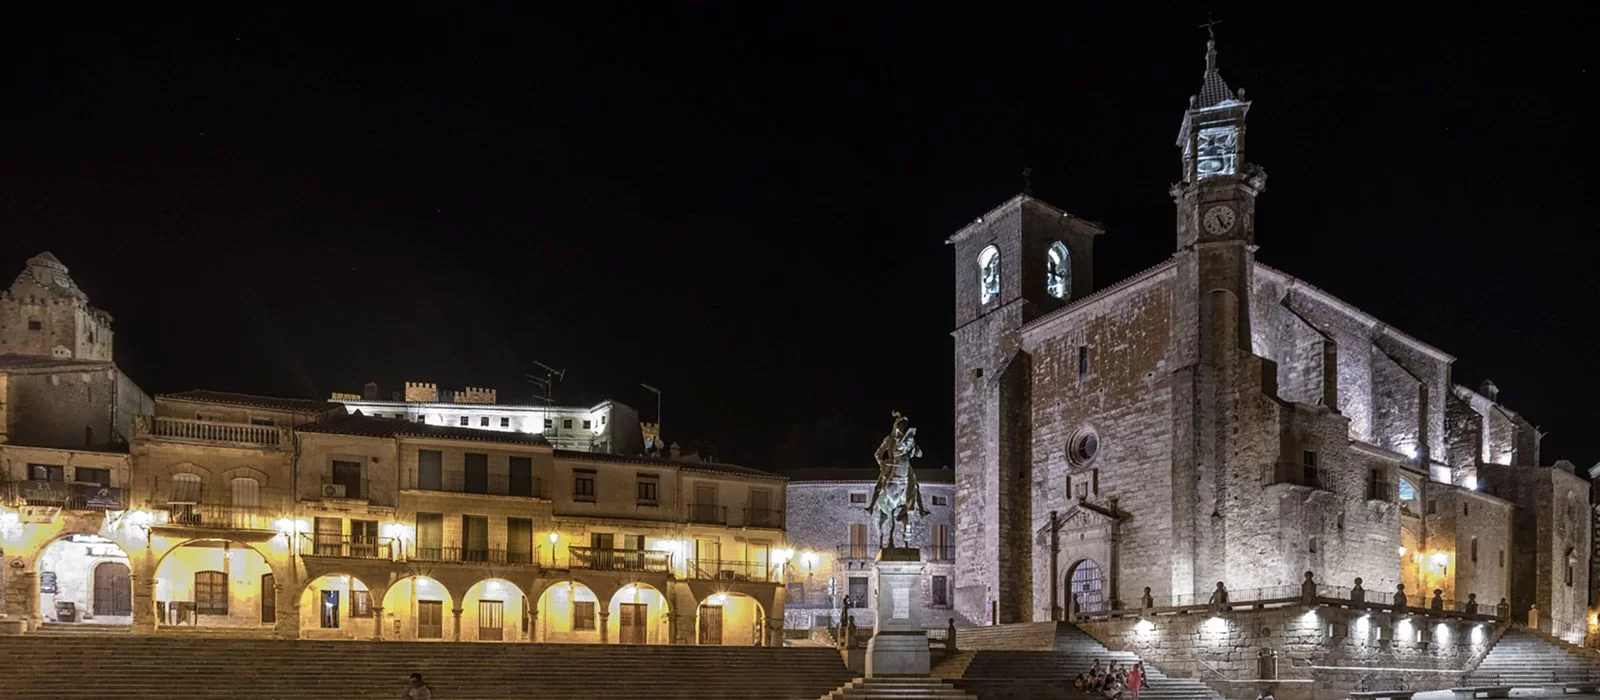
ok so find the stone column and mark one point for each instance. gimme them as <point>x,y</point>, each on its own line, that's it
<point>605,626</point>
<point>144,603</point>
<point>456,613</point>
<point>672,627</point>
<point>533,624</point>
<point>899,646</point>
<point>377,623</point>
<point>775,631</point>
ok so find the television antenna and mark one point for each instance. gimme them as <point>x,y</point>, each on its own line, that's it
<point>545,386</point>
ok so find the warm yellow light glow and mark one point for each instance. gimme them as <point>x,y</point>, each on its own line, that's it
<point>554,537</point>
<point>782,556</point>
<point>720,598</point>
<point>809,559</point>
<point>1144,626</point>
<point>1402,551</point>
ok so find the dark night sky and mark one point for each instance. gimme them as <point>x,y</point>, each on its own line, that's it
<point>746,205</point>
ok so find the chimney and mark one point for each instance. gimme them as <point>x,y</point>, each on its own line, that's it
<point>370,391</point>
<point>1489,390</point>
<point>675,451</point>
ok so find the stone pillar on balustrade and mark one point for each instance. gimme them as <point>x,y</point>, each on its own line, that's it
<point>899,646</point>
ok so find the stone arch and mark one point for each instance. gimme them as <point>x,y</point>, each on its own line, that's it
<point>730,618</point>
<point>418,607</point>
<point>563,615</point>
<point>1086,585</point>
<point>649,624</point>
<point>495,610</point>
<point>338,606</point>
<point>243,472</point>
<point>73,585</point>
<point>214,582</point>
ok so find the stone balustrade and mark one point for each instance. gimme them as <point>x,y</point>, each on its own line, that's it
<point>161,427</point>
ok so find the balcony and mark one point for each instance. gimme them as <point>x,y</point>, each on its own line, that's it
<point>708,514</point>
<point>474,555</point>
<point>723,570</point>
<point>639,560</point>
<point>457,482</point>
<point>213,516</point>
<point>62,494</point>
<point>942,552</point>
<point>858,551</point>
<point>347,547</point>
<point>353,490</point>
<point>764,518</point>
<point>180,429</point>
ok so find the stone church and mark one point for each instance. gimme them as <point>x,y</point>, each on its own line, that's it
<point>1214,419</point>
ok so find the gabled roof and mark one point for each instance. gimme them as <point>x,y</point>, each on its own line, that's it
<point>274,403</point>
<point>710,467</point>
<point>366,426</point>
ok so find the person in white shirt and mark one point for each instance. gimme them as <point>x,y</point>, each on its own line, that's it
<point>416,689</point>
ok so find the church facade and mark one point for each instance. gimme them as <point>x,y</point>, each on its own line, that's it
<point>1212,419</point>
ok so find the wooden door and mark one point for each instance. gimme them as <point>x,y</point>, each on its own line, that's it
<point>269,599</point>
<point>711,624</point>
<point>430,619</point>
<point>113,591</point>
<point>491,621</point>
<point>634,625</point>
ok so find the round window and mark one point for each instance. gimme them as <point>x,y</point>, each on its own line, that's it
<point>1084,446</point>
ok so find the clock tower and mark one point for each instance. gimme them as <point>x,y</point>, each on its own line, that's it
<point>1217,196</point>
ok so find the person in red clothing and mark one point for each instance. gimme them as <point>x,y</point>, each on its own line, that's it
<point>1136,679</point>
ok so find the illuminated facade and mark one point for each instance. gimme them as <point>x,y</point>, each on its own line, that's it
<point>608,426</point>
<point>298,519</point>
<point>1214,419</point>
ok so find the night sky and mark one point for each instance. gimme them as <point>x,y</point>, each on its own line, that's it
<point>747,205</point>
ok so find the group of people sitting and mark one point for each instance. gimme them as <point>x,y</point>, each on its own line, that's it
<point>1112,680</point>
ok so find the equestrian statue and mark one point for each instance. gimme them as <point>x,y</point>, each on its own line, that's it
<point>896,496</point>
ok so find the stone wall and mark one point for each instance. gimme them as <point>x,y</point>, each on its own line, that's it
<point>62,406</point>
<point>1321,652</point>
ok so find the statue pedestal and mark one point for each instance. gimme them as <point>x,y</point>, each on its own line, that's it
<point>899,646</point>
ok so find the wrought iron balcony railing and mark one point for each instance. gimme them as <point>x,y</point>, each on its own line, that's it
<point>857,550</point>
<point>490,485</point>
<point>347,546</point>
<point>763,517</point>
<point>724,570</point>
<point>214,516</point>
<point>474,555</point>
<point>641,560</point>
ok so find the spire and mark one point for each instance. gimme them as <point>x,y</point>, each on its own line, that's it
<point>1213,89</point>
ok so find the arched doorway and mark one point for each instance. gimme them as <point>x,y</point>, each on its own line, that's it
<point>568,612</point>
<point>730,619</point>
<point>418,607</point>
<point>1086,586</point>
<point>337,606</point>
<point>213,583</point>
<point>84,579</point>
<point>638,615</point>
<point>494,610</point>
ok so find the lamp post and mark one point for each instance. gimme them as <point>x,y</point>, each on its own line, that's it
<point>657,392</point>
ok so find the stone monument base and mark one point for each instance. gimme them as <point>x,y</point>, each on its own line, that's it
<point>899,646</point>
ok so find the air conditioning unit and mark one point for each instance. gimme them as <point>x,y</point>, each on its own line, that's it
<point>333,490</point>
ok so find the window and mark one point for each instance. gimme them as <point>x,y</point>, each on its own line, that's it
<point>648,489</point>
<point>1094,481</point>
<point>422,418</point>
<point>483,422</point>
<point>474,538</point>
<point>246,492</point>
<point>941,591</point>
<point>210,593</point>
<point>430,470</point>
<point>548,424</point>
<point>858,497</point>
<point>602,540</point>
<point>49,472</point>
<point>943,547</point>
<point>1407,491</point>
<point>1312,545</point>
<point>521,481</point>
<point>1083,362</point>
<point>430,536</point>
<point>1502,558</point>
<point>858,590</point>
<point>1217,147</point>
<point>582,615</point>
<point>260,421</point>
<point>465,420</point>
<point>1433,506</point>
<point>477,473</point>
<point>1308,465</point>
<point>988,274</point>
<point>942,500</point>
<point>858,548</point>
<point>1083,446</point>
<point>1377,486</point>
<point>90,475</point>
<point>348,475</point>
<point>35,325</point>
<point>1570,560</point>
<point>582,486</point>
<point>1466,508</point>
<point>587,425</point>
<point>505,422</point>
<point>566,423</point>
<point>360,603</point>
<point>185,488</point>
<point>1474,550</point>
<point>519,540</point>
<point>1058,271</point>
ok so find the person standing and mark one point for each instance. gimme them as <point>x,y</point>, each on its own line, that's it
<point>1136,679</point>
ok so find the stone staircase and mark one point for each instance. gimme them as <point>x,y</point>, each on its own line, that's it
<point>899,689</point>
<point>59,665</point>
<point>1527,659</point>
<point>1040,660</point>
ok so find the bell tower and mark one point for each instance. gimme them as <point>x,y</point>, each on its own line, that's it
<point>1217,196</point>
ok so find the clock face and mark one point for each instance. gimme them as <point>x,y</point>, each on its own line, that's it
<point>1219,219</point>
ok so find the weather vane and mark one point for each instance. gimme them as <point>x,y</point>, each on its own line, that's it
<point>1210,26</point>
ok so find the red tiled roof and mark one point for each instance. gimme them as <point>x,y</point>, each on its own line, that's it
<point>275,403</point>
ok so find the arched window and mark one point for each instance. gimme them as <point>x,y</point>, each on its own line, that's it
<point>1083,581</point>
<point>1058,271</point>
<point>988,274</point>
<point>185,488</point>
<point>246,492</point>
